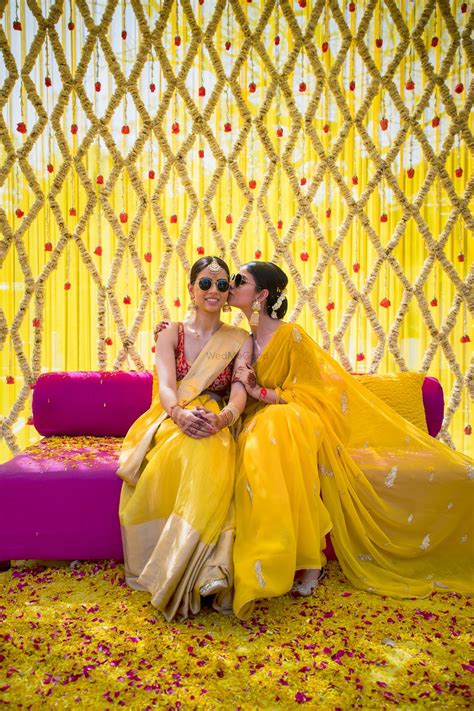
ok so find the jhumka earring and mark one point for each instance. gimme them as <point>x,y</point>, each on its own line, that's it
<point>255,317</point>
<point>227,307</point>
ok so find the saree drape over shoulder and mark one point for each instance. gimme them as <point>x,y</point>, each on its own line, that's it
<point>398,503</point>
<point>175,507</point>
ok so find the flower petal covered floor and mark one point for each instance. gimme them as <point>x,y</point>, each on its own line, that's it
<point>79,637</point>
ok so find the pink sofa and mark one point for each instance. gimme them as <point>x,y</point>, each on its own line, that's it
<point>59,498</point>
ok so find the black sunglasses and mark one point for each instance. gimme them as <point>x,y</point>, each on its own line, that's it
<point>238,280</point>
<point>205,284</point>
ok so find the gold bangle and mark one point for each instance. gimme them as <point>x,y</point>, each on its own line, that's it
<point>234,412</point>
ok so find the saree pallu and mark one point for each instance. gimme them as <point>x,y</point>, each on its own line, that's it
<point>335,457</point>
<point>176,510</point>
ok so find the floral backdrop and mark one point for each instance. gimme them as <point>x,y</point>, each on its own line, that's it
<point>332,137</point>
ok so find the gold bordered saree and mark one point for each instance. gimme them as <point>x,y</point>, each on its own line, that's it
<point>335,457</point>
<point>175,507</point>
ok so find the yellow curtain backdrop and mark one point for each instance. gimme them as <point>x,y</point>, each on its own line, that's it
<point>333,137</point>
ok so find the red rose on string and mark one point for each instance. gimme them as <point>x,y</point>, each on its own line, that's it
<point>378,42</point>
<point>277,40</point>
<point>10,380</point>
<point>98,250</point>
<point>72,211</point>
<point>200,250</point>
<point>352,7</point>
<point>127,300</point>
<point>410,85</point>
<point>202,91</point>
<point>458,172</point>
<point>280,224</point>
<point>352,85</point>
<point>174,219</point>
<point>465,338</point>
<point>385,302</point>
<point>108,341</point>
<point>228,219</point>
<point>19,212</point>
<point>384,124</point>
<point>152,87</point>
<point>97,86</point>
<point>36,323</point>
<point>279,132</point>
<point>303,181</point>
<point>435,121</point>
<point>355,180</point>
<point>464,7</point>
<point>175,127</point>
<point>302,86</point>
<point>30,421</point>
<point>434,302</point>
<point>383,217</point>
<point>468,430</point>
<point>459,88</point>
<point>123,217</point>
<point>67,286</point>
<point>48,247</point>
<point>70,25</point>
<point>177,41</point>
<point>258,254</point>
<point>17,25</point>
<point>21,127</point>
<point>328,212</point>
<point>360,357</point>
<point>252,184</point>
<point>99,180</point>
<point>326,128</point>
<point>177,303</point>
<point>147,256</point>
<point>124,34</point>
<point>434,41</point>
<point>227,45</point>
<point>201,153</point>
<point>125,130</point>
<point>410,172</point>
<point>227,127</point>
<point>47,81</point>
<point>151,174</point>
<point>302,3</point>
<point>252,87</point>
<point>356,267</point>
<point>325,46</point>
<point>304,256</point>
<point>460,257</point>
<point>74,128</point>
<point>330,305</point>
<point>50,167</point>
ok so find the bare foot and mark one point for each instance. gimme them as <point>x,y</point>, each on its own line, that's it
<point>306,581</point>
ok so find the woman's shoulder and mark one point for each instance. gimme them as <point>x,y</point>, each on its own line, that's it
<point>168,333</point>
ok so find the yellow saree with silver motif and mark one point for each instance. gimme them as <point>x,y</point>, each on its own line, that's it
<point>175,506</point>
<point>336,458</point>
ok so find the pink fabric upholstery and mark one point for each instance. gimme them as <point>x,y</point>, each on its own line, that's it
<point>59,498</point>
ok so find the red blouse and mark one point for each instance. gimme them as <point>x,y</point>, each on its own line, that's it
<point>220,384</point>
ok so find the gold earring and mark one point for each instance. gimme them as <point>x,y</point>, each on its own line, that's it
<point>255,317</point>
<point>227,307</point>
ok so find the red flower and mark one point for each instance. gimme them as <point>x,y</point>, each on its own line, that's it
<point>30,421</point>
<point>252,87</point>
<point>356,267</point>
<point>21,127</point>
<point>177,41</point>
<point>277,40</point>
<point>459,88</point>
<point>177,302</point>
<point>124,34</point>
<point>280,224</point>
<point>326,128</point>
<point>384,124</point>
<point>200,250</point>
<point>70,25</point>
<point>19,212</point>
<point>125,130</point>
<point>152,87</point>
<point>175,127</point>
<point>410,172</point>
<point>258,254</point>
<point>304,256</point>
<point>468,430</point>
<point>127,300</point>
<point>325,46</point>
<point>435,121</point>
<point>98,250</point>
<point>410,85</point>
<point>108,341</point>
<point>17,25</point>
<point>201,153</point>
<point>434,302</point>
<point>352,7</point>
<point>460,257</point>
<point>434,41</point>
<point>123,217</point>
<point>303,181</point>
<point>378,42</point>
<point>147,257</point>
<point>47,81</point>
<point>151,174</point>
<point>228,219</point>
<point>153,349</point>
<point>385,302</point>
<point>279,132</point>
<point>99,180</point>
<point>352,85</point>
<point>227,45</point>
<point>330,305</point>
<point>383,217</point>
<point>302,86</point>
<point>328,212</point>
<point>48,247</point>
<point>227,127</point>
<point>10,380</point>
<point>355,180</point>
<point>302,3</point>
<point>74,128</point>
<point>465,338</point>
<point>464,7</point>
<point>67,286</point>
<point>360,357</point>
<point>458,172</point>
<point>36,323</point>
<point>97,86</point>
<point>202,91</point>
<point>252,184</point>
<point>174,219</point>
<point>72,211</point>
<point>50,167</point>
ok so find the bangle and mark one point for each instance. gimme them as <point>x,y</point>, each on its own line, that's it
<point>263,393</point>
<point>234,413</point>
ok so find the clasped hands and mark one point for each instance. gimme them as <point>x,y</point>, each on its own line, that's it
<point>198,422</point>
<point>245,374</point>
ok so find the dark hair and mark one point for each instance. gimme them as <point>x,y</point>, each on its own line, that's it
<point>269,276</point>
<point>203,263</point>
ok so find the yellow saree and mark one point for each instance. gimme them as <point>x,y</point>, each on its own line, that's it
<point>175,506</point>
<point>336,457</point>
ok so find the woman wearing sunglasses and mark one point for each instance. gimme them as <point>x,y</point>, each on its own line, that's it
<point>178,459</point>
<point>317,452</point>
